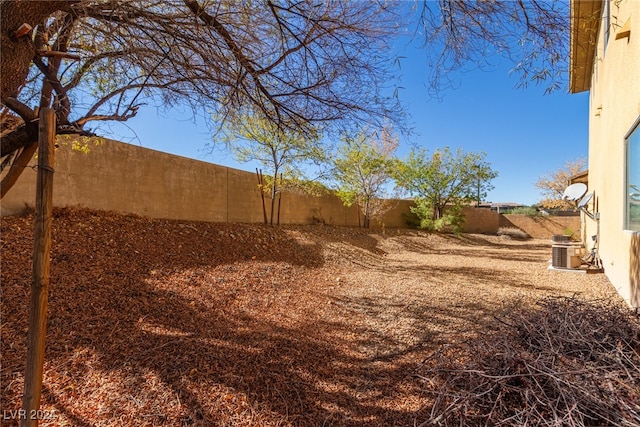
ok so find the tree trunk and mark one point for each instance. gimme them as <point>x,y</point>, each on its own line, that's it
<point>20,137</point>
<point>366,219</point>
<point>438,212</point>
<point>17,167</point>
<point>261,188</point>
<point>18,53</point>
<point>273,203</point>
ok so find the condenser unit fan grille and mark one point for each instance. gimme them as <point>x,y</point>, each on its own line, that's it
<point>559,256</point>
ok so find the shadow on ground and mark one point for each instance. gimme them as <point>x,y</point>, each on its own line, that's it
<point>150,324</point>
<point>195,324</point>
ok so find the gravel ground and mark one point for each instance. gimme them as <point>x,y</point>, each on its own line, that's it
<point>156,322</point>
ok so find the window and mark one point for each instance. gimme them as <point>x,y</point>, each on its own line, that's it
<point>632,193</point>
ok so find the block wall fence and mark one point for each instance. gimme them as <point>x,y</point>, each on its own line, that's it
<point>116,176</point>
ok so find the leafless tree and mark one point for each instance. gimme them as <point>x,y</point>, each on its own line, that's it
<point>553,183</point>
<point>531,34</point>
<point>297,63</point>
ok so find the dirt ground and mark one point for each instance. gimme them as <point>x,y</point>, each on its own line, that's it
<point>156,322</point>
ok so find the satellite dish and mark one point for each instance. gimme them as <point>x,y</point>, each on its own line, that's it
<point>574,191</point>
<point>586,199</point>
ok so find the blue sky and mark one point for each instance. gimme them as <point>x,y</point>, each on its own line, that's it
<point>524,132</point>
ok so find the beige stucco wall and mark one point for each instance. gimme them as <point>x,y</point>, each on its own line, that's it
<point>121,177</point>
<point>614,107</point>
<point>127,178</point>
<point>543,227</point>
<point>480,220</point>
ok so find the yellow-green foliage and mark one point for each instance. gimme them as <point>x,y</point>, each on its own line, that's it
<point>79,143</point>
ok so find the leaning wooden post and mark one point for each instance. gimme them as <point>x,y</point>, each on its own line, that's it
<point>279,198</point>
<point>40,273</point>
<point>261,186</point>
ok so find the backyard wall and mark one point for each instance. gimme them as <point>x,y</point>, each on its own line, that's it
<point>543,227</point>
<point>122,177</point>
<point>481,220</point>
<point>127,178</point>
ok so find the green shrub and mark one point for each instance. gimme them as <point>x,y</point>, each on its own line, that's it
<point>411,219</point>
<point>451,221</point>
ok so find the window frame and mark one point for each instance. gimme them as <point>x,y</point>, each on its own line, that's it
<point>634,131</point>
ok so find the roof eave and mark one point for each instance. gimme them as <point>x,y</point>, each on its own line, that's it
<point>582,176</point>
<point>584,27</point>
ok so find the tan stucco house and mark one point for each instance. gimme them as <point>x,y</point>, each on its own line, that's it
<point>605,60</point>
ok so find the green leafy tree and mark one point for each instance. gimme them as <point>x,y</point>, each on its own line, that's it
<point>552,184</point>
<point>363,170</point>
<point>443,183</point>
<point>283,153</point>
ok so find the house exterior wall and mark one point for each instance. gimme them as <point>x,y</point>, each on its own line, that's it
<point>614,107</point>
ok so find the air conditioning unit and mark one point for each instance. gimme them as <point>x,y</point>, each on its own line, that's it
<point>565,256</point>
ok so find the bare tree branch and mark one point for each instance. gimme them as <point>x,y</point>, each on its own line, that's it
<point>52,79</point>
<point>21,109</point>
<point>298,63</point>
<point>17,167</point>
